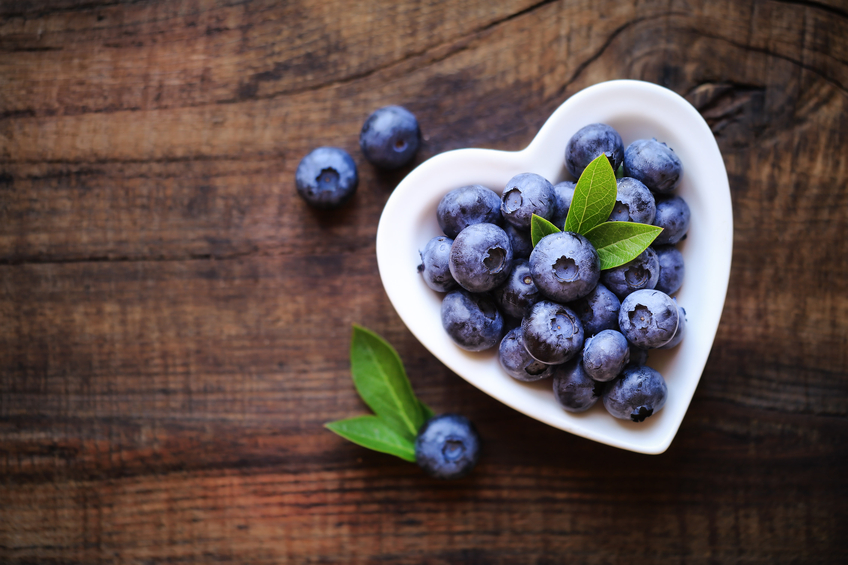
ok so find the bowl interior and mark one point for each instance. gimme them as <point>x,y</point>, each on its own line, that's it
<point>637,110</point>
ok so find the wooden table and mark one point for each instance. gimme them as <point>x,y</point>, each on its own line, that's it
<point>175,321</point>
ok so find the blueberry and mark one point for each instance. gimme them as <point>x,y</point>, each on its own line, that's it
<point>633,202</point>
<point>481,257</point>
<point>517,362</point>
<point>563,192</point>
<point>447,446</point>
<point>640,273</point>
<point>522,243</point>
<point>605,355</point>
<point>518,292</point>
<point>637,394</point>
<point>648,318</point>
<point>589,142</point>
<point>653,163</point>
<point>671,269</point>
<point>553,333</point>
<point>673,216</point>
<point>681,330</point>
<point>527,194</point>
<point>574,389</point>
<point>435,264</point>
<point>326,177</point>
<point>565,266</point>
<point>598,310</point>
<point>472,321</point>
<point>390,137</point>
<point>466,206</point>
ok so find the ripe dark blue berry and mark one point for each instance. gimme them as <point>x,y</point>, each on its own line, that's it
<point>481,257</point>
<point>673,216</point>
<point>522,243</point>
<point>390,137</point>
<point>326,177</point>
<point>605,355</point>
<point>565,266</point>
<point>466,206</point>
<point>598,310</point>
<point>648,318</point>
<point>653,163</point>
<point>633,202</point>
<point>637,394</point>
<point>519,364</point>
<point>681,330</point>
<point>472,321</point>
<point>563,192</point>
<point>518,292</point>
<point>671,269</point>
<point>553,333</point>
<point>574,389</point>
<point>435,264</point>
<point>447,446</point>
<point>589,142</point>
<point>640,273</point>
<point>527,194</point>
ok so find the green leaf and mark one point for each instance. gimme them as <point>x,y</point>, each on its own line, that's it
<point>620,242</point>
<point>540,227</point>
<point>594,197</point>
<point>380,379</point>
<point>374,433</point>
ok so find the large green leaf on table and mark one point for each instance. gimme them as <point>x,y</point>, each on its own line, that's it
<point>381,381</point>
<point>594,197</point>
<point>374,433</point>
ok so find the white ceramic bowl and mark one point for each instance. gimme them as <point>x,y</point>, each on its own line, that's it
<point>637,110</point>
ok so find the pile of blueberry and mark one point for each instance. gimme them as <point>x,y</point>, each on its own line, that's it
<point>553,311</point>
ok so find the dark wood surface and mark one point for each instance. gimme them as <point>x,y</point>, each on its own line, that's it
<point>174,321</point>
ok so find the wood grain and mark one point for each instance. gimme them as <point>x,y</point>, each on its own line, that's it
<point>174,321</point>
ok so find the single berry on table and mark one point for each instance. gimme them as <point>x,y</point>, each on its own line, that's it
<point>472,321</point>
<point>589,142</point>
<point>481,257</point>
<point>435,264</point>
<point>390,137</point>
<point>447,446</point>
<point>565,266</point>
<point>527,194</point>
<point>648,318</point>
<point>466,206</point>
<point>654,163</point>
<point>519,364</point>
<point>326,177</point>
<point>637,394</point>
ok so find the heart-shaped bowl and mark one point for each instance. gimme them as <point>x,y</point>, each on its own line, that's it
<point>637,110</point>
